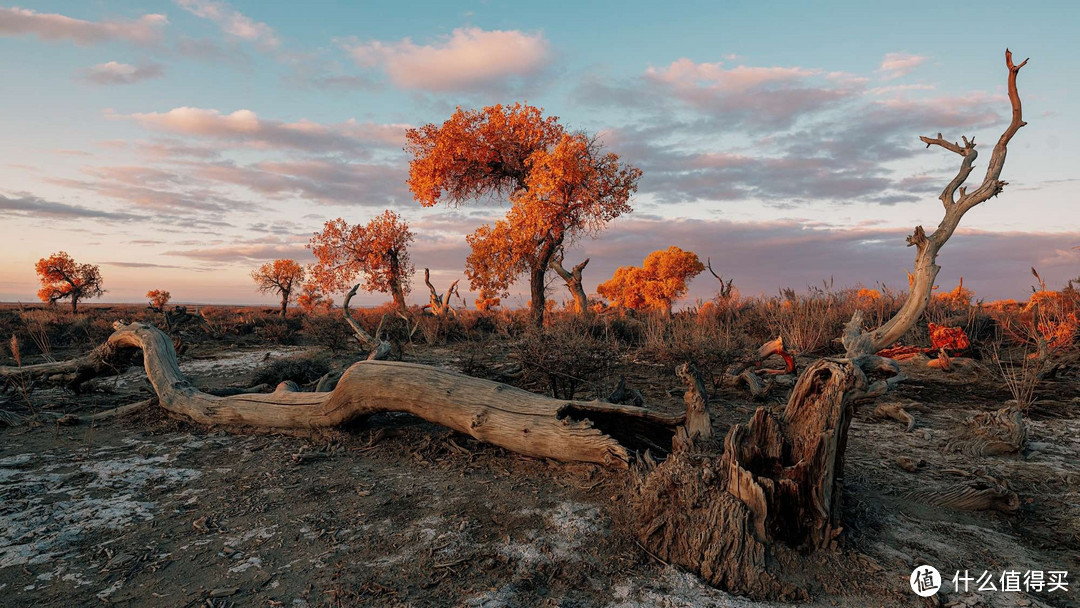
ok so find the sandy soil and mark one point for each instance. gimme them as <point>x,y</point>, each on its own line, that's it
<point>148,511</point>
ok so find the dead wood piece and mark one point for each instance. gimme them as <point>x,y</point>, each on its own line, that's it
<point>698,425</point>
<point>776,484</point>
<point>758,387</point>
<point>993,433</point>
<point>984,494</point>
<point>896,412</point>
<point>574,283</point>
<point>327,382</point>
<point>911,465</point>
<point>623,394</point>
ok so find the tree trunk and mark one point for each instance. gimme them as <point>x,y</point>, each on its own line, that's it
<point>74,303</point>
<point>284,303</point>
<point>538,303</point>
<point>520,421</point>
<point>774,489</point>
<point>399,296</point>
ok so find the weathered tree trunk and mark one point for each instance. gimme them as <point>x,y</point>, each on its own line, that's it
<point>440,304</point>
<point>775,488</point>
<point>378,348</point>
<point>520,421</point>
<point>573,283</point>
<point>74,303</point>
<point>284,303</point>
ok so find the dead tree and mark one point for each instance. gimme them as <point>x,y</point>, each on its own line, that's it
<point>776,487</point>
<point>378,348</point>
<point>573,283</point>
<point>726,287</point>
<point>440,305</point>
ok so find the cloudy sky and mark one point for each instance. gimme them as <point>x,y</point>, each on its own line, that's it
<point>180,144</point>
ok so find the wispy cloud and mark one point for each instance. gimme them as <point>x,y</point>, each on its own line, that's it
<point>244,127</point>
<point>115,72</point>
<point>54,27</point>
<point>233,22</point>
<point>895,65</point>
<point>27,205</point>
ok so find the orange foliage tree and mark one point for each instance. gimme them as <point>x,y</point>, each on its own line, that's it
<point>62,277</point>
<point>656,284</point>
<point>281,277</point>
<point>159,298</point>
<point>378,250</point>
<point>311,298</point>
<point>560,185</point>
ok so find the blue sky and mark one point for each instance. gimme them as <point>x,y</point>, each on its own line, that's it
<point>180,144</point>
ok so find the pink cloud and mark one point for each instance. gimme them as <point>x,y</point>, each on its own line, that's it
<point>245,127</point>
<point>755,97</point>
<point>895,65</point>
<point>55,27</point>
<point>468,59</point>
<point>687,75</point>
<point>114,72</point>
<point>233,22</point>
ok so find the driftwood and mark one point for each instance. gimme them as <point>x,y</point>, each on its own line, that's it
<point>698,426</point>
<point>105,360</point>
<point>895,411</point>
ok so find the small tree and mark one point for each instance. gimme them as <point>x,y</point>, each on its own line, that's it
<point>560,186</point>
<point>311,298</point>
<point>159,298</point>
<point>280,277</point>
<point>378,250</point>
<point>62,277</point>
<point>657,284</point>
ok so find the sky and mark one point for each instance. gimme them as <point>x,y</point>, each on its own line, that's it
<point>180,144</point>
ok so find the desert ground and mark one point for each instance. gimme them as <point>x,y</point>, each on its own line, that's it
<point>144,509</point>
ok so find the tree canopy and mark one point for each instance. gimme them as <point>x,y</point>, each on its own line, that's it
<point>280,277</point>
<point>377,250</point>
<point>661,280</point>
<point>63,278</point>
<point>560,186</point>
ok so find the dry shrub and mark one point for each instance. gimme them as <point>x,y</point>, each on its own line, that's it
<point>808,322</point>
<point>708,340</point>
<point>329,331</point>
<point>567,356</point>
<point>274,329</point>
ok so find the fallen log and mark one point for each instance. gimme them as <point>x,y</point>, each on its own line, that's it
<point>520,421</point>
